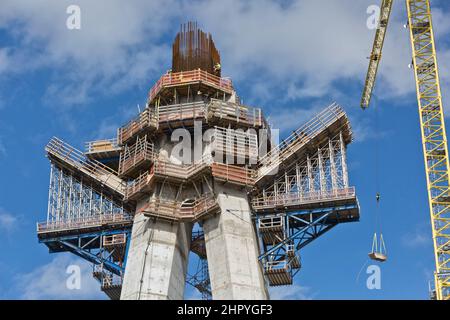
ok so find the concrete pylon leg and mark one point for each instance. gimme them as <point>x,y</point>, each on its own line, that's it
<point>157,260</point>
<point>232,250</point>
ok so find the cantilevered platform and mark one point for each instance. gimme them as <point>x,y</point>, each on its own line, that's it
<point>296,202</point>
<point>103,149</point>
<point>100,176</point>
<point>177,173</point>
<point>83,225</point>
<point>328,123</point>
<point>190,210</point>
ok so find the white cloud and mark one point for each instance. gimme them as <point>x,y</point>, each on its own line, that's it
<point>117,47</point>
<point>288,119</point>
<point>293,292</point>
<point>286,51</point>
<point>7,220</point>
<point>419,237</point>
<point>307,46</point>
<point>49,281</point>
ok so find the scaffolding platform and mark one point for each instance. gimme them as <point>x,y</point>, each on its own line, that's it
<point>278,273</point>
<point>112,286</point>
<point>233,174</point>
<point>103,177</point>
<point>224,113</point>
<point>145,122</point>
<point>297,202</point>
<point>181,115</point>
<point>187,81</point>
<point>116,245</point>
<point>136,157</point>
<point>328,123</point>
<point>190,210</point>
<point>83,225</point>
<point>272,229</point>
<point>102,149</point>
<point>235,144</point>
<point>293,257</point>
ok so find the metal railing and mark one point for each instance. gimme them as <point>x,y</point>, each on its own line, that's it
<point>103,145</point>
<point>277,265</point>
<point>293,199</point>
<point>242,144</point>
<point>114,239</point>
<point>185,77</point>
<point>176,210</point>
<point>182,111</point>
<point>95,169</point>
<point>235,112</point>
<point>85,222</point>
<point>146,119</point>
<point>136,154</point>
<point>299,138</point>
<point>232,173</point>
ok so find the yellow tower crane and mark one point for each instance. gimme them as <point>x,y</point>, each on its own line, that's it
<point>432,125</point>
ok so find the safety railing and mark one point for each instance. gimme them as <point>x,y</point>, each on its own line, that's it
<point>237,143</point>
<point>95,169</point>
<point>186,77</point>
<point>111,281</point>
<point>104,145</point>
<point>132,157</point>
<point>272,200</point>
<point>276,266</point>
<point>188,210</point>
<point>299,138</point>
<point>269,223</point>
<point>181,112</point>
<point>181,171</point>
<point>114,239</point>
<point>147,119</point>
<point>248,116</point>
<point>233,174</point>
<point>85,222</point>
<point>198,207</point>
<point>138,185</point>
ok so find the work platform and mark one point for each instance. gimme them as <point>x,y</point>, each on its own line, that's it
<point>190,210</point>
<point>104,178</point>
<point>102,149</point>
<point>187,81</point>
<point>330,122</point>
<point>175,173</point>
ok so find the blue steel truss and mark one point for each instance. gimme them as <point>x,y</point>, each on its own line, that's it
<point>89,246</point>
<point>298,229</point>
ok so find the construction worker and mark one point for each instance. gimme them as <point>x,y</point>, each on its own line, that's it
<point>217,67</point>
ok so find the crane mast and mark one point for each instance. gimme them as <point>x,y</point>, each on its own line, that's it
<point>434,138</point>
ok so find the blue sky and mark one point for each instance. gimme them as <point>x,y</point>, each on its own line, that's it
<point>291,58</point>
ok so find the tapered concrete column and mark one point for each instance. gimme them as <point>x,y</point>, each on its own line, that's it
<point>157,260</point>
<point>232,249</point>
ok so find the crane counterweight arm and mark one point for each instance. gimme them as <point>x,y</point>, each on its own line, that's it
<point>375,56</point>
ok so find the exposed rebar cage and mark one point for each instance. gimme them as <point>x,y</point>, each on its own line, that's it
<point>195,49</point>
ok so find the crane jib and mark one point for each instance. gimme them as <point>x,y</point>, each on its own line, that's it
<point>432,126</point>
